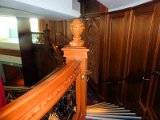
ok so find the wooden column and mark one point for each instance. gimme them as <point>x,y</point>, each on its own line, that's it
<point>26,49</point>
<point>80,54</point>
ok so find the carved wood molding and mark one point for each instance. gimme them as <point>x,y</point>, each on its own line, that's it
<point>92,41</point>
<point>38,101</point>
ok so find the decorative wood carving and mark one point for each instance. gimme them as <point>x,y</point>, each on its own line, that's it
<point>77,28</point>
<point>92,41</point>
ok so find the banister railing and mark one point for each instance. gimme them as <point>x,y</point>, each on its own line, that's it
<point>34,104</point>
<point>38,101</point>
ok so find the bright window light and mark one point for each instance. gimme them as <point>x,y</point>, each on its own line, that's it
<point>34,25</point>
<point>8,27</point>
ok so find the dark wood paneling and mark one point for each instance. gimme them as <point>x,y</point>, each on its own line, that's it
<point>93,14</point>
<point>141,37</point>
<point>12,73</point>
<point>154,96</point>
<point>141,56</point>
<point>47,61</point>
<point>152,54</point>
<point>157,64</point>
<point>154,107</point>
<point>63,33</point>
<point>103,54</point>
<point>92,42</point>
<point>92,7</point>
<point>156,103</point>
<point>118,40</point>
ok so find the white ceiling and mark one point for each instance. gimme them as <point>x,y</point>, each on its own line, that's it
<point>57,9</point>
<point>49,9</point>
<point>114,5</point>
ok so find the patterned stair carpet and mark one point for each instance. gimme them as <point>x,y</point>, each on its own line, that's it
<point>108,111</point>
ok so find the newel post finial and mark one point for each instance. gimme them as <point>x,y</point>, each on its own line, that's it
<point>77,28</point>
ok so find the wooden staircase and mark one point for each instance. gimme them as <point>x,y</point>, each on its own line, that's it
<point>108,111</point>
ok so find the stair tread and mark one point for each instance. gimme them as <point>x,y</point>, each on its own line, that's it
<point>108,111</point>
<point>104,111</point>
<point>116,108</point>
<point>110,105</point>
<point>115,116</point>
<point>132,114</point>
<point>97,118</point>
<point>103,107</point>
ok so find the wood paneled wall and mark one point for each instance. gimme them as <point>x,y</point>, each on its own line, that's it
<point>62,33</point>
<point>117,47</point>
<point>123,45</point>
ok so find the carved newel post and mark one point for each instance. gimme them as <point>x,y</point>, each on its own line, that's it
<point>77,28</point>
<point>76,51</point>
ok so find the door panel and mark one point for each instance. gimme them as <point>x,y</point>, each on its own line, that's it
<point>141,38</point>
<point>118,42</point>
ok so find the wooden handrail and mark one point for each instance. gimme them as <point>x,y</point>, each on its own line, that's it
<point>37,102</point>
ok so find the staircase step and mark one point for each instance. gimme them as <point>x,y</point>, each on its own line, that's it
<point>97,118</point>
<point>108,111</point>
<point>115,117</point>
<point>124,114</point>
<point>103,104</point>
<point>103,107</point>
